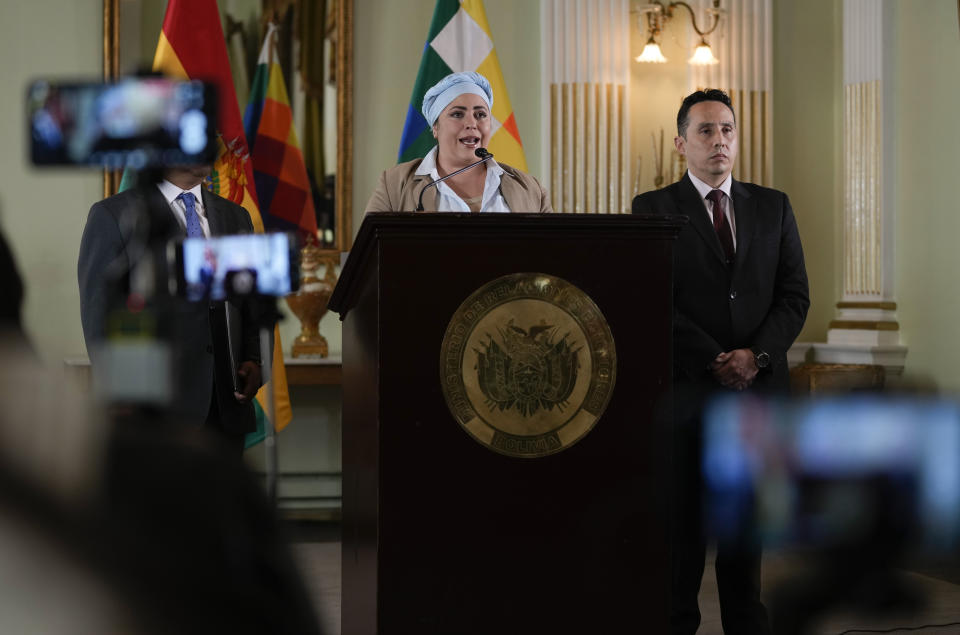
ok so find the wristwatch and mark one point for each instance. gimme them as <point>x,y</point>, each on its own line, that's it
<point>761,358</point>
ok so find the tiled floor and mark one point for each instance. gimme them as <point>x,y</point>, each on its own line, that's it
<point>320,564</point>
<point>319,558</point>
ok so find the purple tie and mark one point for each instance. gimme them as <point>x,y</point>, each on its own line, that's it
<point>721,225</point>
<point>194,229</point>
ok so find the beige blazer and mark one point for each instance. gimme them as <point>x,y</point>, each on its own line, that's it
<point>399,189</point>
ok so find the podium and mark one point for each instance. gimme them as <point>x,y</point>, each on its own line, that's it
<point>444,533</point>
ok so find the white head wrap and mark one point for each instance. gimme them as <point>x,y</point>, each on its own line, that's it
<point>449,88</point>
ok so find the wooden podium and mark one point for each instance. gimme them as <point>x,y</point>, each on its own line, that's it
<point>443,535</point>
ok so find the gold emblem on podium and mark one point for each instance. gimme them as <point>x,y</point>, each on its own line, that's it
<point>528,365</point>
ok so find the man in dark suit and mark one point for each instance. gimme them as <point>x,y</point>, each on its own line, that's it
<point>215,375</point>
<point>740,300</point>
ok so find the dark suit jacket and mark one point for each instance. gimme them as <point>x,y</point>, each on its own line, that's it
<point>135,225</point>
<point>760,301</point>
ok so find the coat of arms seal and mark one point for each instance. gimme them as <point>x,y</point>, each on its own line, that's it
<point>528,364</point>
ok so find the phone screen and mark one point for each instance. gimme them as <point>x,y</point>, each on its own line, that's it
<point>239,265</point>
<point>133,123</point>
<point>816,471</point>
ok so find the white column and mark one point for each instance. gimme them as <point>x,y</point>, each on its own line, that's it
<point>865,330</point>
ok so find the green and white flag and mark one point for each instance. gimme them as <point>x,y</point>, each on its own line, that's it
<point>459,40</point>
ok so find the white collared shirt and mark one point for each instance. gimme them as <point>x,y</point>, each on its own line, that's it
<point>449,201</point>
<point>171,192</point>
<point>704,189</point>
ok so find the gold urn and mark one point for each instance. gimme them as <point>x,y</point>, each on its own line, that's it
<point>309,304</point>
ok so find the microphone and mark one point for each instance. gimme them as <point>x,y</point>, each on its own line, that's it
<point>484,156</point>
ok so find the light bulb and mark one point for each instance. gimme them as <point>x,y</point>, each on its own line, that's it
<point>651,53</point>
<point>703,56</point>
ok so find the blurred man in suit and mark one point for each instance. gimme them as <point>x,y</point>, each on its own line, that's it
<point>740,300</point>
<point>122,253</point>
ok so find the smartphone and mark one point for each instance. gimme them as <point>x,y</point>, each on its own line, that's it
<point>235,266</point>
<point>136,123</point>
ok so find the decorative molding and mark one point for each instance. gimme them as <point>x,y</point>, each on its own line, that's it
<point>586,78</point>
<point>799,353</point>
<point>883,306</point>
<point>754,113</point>
<point>863,180</point>
<point>862,41</point>
<point>865,325</point>
<point>891,357</point>
<point>304,492</point>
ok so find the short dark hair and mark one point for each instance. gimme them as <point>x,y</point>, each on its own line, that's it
<point>711,94</point>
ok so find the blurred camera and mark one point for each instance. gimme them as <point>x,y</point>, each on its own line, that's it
<point>822,473</point>
<point>137,123</point>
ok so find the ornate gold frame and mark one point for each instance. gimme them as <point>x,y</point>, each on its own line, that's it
<point>111,70</point>
<point>344,76</point>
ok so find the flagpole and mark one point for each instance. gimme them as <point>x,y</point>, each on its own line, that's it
<point>271,36</point>
<point>270,438</point>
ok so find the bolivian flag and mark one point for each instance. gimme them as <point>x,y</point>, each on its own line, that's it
<point>192,46</point>
<point>460,40</point>
<point>279,171</point>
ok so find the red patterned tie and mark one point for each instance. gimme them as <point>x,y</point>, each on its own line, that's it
<point>721,225</point>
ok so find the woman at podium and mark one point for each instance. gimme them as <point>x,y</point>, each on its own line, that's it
<point>458,174</point>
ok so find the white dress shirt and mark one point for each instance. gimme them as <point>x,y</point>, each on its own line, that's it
<point>171,192</point>
<point>704,189</point>
<point>449,201</point>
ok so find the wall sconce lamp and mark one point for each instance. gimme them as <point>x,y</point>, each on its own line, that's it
<point>657,17</point>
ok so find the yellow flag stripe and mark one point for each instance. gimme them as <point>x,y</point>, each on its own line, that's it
<point>276,90</point>
<point>166,59</point>
<point>503,144</point>
<point>490,68</point>
<point>283,412</point>
<point>506,150</point>
<point>254,212</point>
